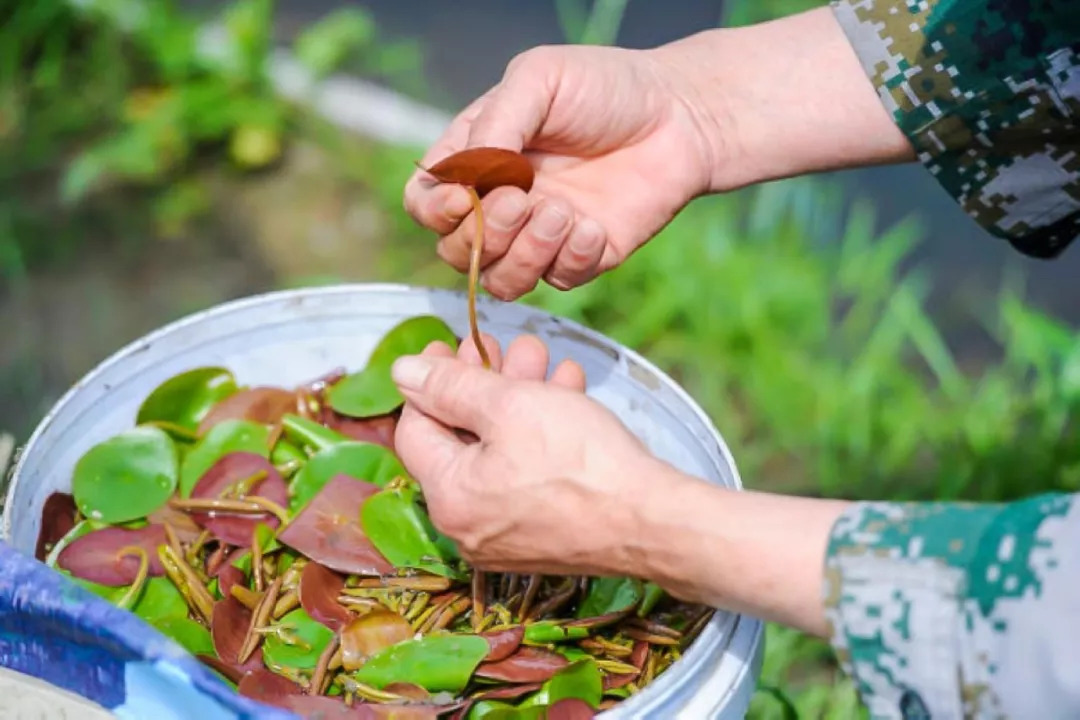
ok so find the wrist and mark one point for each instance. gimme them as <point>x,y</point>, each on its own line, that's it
<point>784,98</point>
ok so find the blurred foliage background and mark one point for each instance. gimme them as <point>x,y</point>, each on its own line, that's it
<point>839,338</point>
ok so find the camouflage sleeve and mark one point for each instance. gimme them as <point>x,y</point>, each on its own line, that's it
<point>948,610</point>
<point>988,92</point>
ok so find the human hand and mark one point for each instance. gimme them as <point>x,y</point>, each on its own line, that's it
<point>619,145</point>
<point>551,484</point>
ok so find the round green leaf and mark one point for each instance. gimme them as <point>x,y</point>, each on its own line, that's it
<point>609,595</point>
<point>548,632</point>
<point>372,392</point>
<point>311,636</point>
<point>192,636</point>
<point>160,600</point>
<point>226,437</point>
<point>437,663</point>
<point>127,476</point>
<point>362,461</point>
<point>185,399</point>
<point>400,530</point>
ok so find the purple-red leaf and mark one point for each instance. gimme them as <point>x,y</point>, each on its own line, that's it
<point>267,687</point>
<point>503,642</point>
<point>527,665</point>
<point>221,477</point>
<point>509,692</point>
<point>264,405</point>
<point>328,529</point>
<point>228,574</point>
<point>377,430</point>
<point>228,629</point>
<point>57,520</point>
<point>96,556</point>
<point>570,709</point>
<point>318,592</point>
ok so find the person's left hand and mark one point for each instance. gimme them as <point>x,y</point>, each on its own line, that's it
<point>553,482</point>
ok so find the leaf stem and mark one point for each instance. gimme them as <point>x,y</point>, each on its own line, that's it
<point>474,275</point>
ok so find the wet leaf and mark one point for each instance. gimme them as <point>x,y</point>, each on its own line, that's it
<point>581,680</point>
<point>547,632</point>
<point>526,665</point>
<point>186,398</point>
<point>328,530</point>
<point>362,461</point>
<point>269,688</point>
<point>300,648</point>
<point>372,633</point>
<point>309,433</point>
<point>76,532</point>
<point>485,168</point>
<point>395,524</point>
<point>192,636</point>
<point>227,437</point>
<point>610,595</point>
<point>96,555</point>
<point>372,392</point>
<point>160,600</point>
<point>126,477</point>
<point>319,589</point>
<point>228,628</point>
<point>220,480</point>
<point>378,430</point>
<point>503,643</point>
<point>57,520</point>
<point>434,662</point>
<point>264,405</point>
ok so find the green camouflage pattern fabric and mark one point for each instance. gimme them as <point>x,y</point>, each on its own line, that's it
<point>988,92</point>
<point>951,610</point>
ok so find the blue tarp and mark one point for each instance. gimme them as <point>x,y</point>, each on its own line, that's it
<point>52,629</point>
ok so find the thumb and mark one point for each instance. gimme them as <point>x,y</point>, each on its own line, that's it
<point>455,393</point>
<point>516,108</point>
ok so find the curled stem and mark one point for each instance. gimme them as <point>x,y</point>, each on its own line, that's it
<point>474,275</point>
<point>136,587</point>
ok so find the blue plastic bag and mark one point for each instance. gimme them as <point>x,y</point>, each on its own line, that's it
<point>52,629</point>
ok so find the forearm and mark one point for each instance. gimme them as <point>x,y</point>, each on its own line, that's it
<point>785,98</point>
<point>755,553</point>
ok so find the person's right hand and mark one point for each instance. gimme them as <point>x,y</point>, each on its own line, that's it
<point>620,144</point>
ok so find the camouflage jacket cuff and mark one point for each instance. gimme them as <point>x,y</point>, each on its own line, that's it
<point>989,96</point>
<point>933,606</point>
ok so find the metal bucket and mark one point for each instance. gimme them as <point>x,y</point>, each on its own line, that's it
<point>287,337</point>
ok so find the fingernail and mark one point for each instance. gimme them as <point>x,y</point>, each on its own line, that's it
<point>585,236</point>
<point>550,224</point>
<point>457,205</point>
<point>410,372</point>
<point>507,212</point>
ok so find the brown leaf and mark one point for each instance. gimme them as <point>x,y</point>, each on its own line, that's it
<point>263,405</point>
<point>484,169</point>
<point>57,519</point>
<point>368,634</point>
<point>527,665</point>
<point>318,591</point>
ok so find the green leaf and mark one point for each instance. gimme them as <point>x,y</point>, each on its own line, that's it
<point>399,529</point>
<point>224,438</point>
<point>362,461</point>
<point>186,398</point>
<point>580,679</point>
<point>547,632</point>
<point>160,600</point>
<point>191,635</point>
<point>127,476</point>
<point>299,650</point>
<point>653,594</point>
<point>609,595</point>
<point>437,663</point>
<point>322,47</point>
<point>495,710</point>
<point>310,433</point>
<point>372,391</point>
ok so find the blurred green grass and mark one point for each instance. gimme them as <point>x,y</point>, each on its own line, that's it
<point>798,323</point>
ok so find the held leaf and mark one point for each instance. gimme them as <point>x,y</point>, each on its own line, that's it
<point>372,391</point>
<point>226,437</point>
<point>126,477</point>
<point>395,524</point>
<point>485,168</point>
<point>185,399</point>
<point>363,461</point>
<point>436,663</point>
